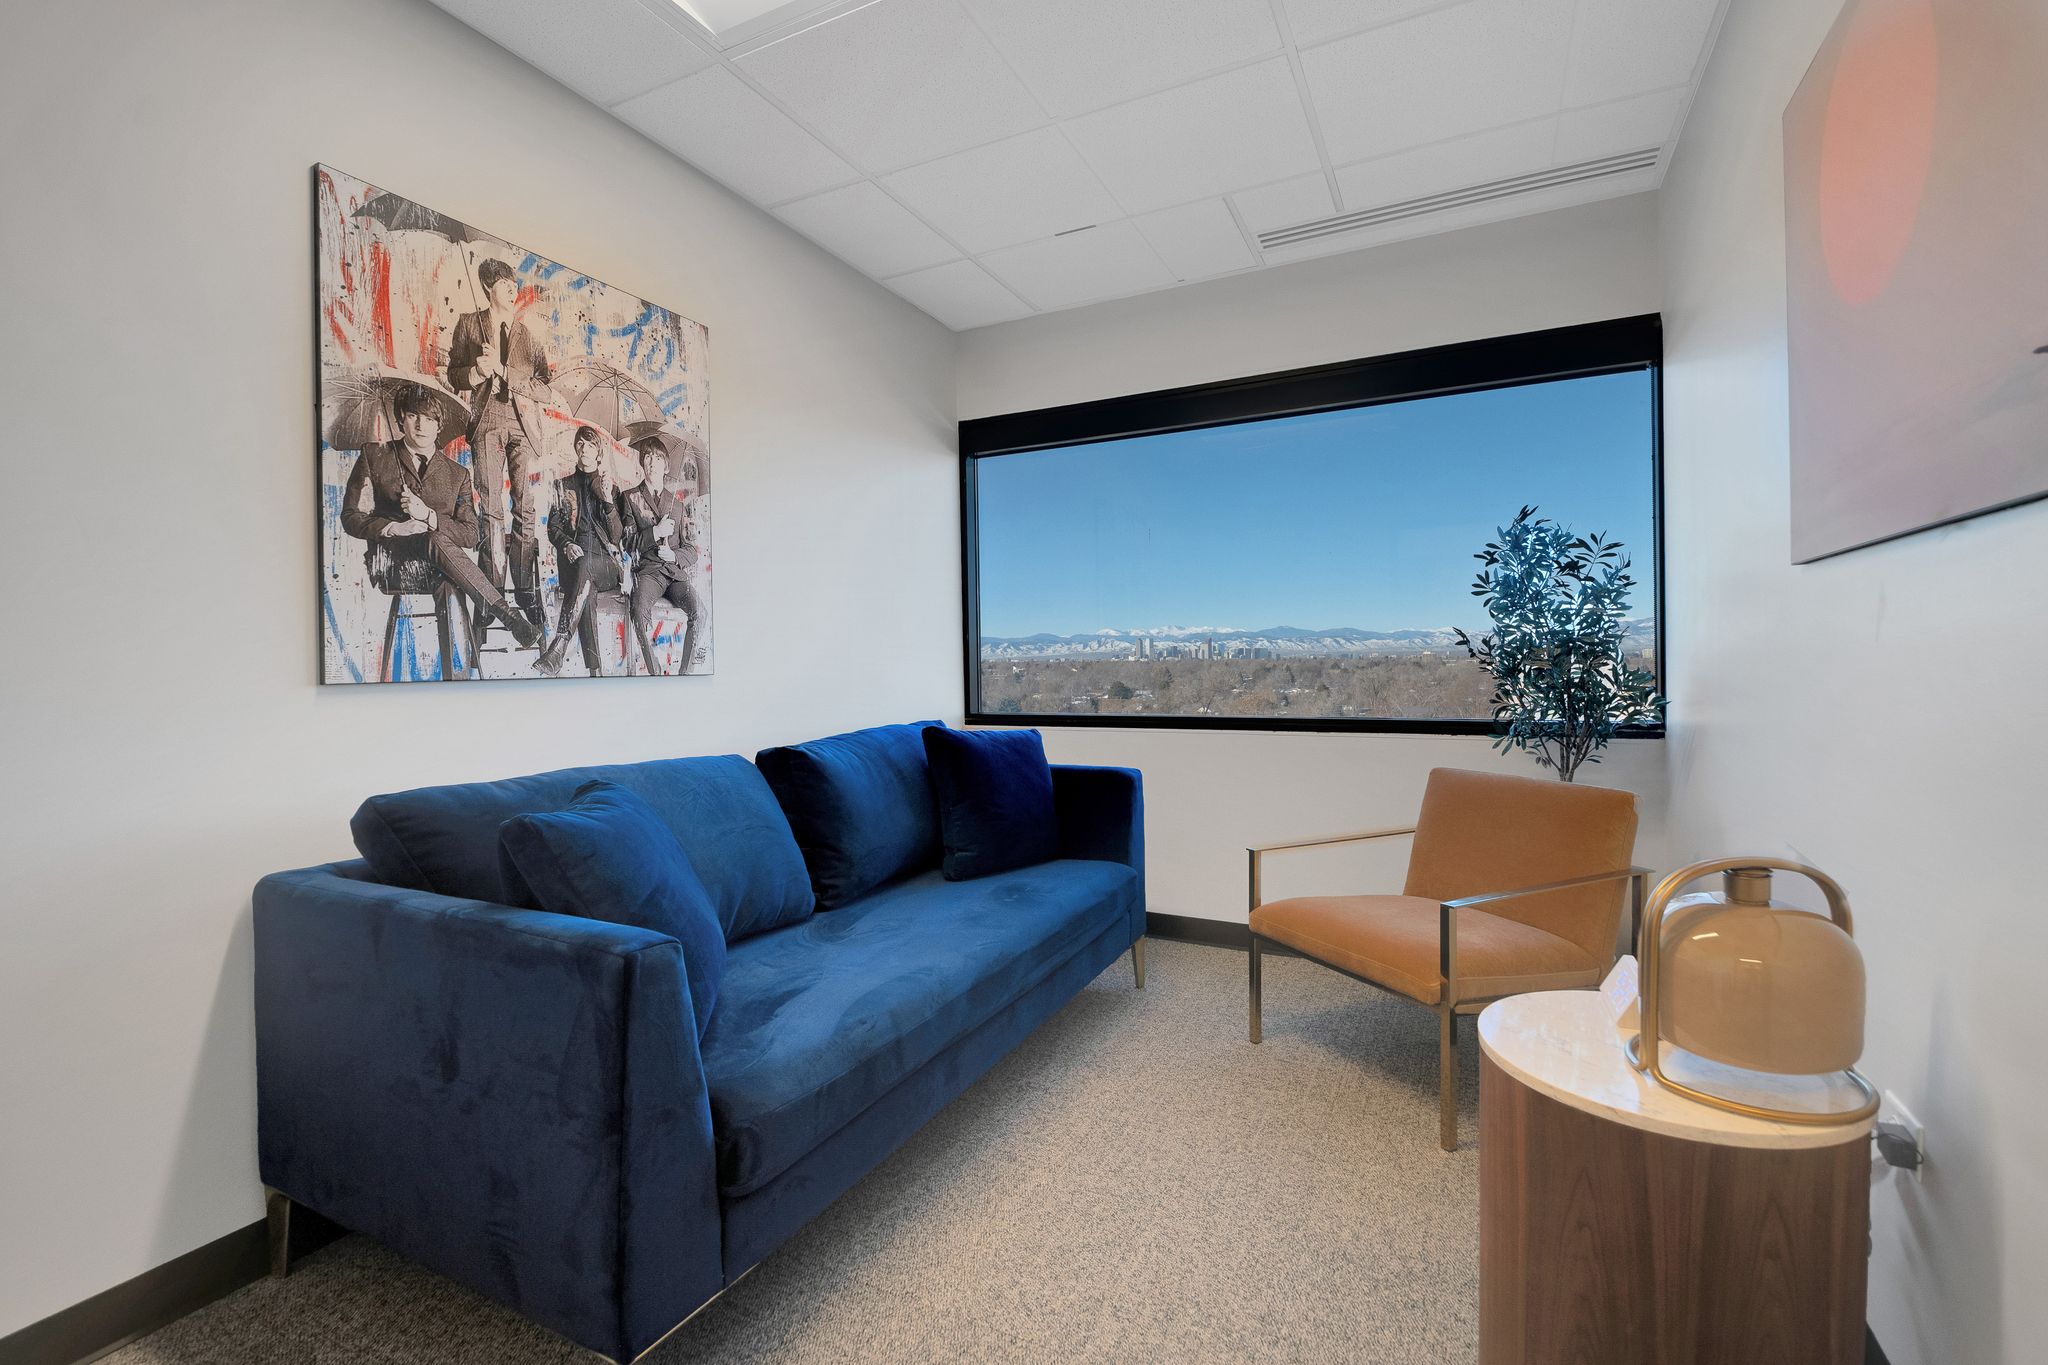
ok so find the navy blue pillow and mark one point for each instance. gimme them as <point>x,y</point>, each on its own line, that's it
<point>860,805</point>
<point>994,792</point>
<point>608,856</point>
<point>721,810</point>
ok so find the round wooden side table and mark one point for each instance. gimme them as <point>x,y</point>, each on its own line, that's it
<point>1622,1224</point>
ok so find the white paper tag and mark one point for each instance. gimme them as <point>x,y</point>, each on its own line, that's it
<point>1620,993</point>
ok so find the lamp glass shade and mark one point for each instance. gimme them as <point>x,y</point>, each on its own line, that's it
<point>1764,986</point>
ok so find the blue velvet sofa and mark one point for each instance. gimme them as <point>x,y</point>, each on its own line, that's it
<point>522,1100</point>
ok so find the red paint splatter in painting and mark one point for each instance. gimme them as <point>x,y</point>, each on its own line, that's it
<point>348,352</point>
<point>380,292</point>
<point>528,296</point>
<point>429,340</point>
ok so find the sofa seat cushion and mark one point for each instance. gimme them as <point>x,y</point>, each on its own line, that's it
<point>445,839</point>
<point>816,1022</point>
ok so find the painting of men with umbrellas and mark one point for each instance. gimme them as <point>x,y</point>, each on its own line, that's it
<point>472,393</point>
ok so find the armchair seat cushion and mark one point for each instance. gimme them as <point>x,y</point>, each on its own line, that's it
<point>1395,942</point>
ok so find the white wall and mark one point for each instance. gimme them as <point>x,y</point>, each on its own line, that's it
<point>1209,794</point>
<point>166,741</point>
<point>1877,715</point>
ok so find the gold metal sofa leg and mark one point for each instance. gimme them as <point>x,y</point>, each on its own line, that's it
<point>1138,963</point>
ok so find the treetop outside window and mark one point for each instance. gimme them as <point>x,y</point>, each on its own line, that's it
<point>1295,551</point>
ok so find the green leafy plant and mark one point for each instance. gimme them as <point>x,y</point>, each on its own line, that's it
<point>1562,686</point>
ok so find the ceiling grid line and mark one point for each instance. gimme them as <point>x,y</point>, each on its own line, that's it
<point>1065,136</point>
<point>991,159</point>
<point>1308,109</point>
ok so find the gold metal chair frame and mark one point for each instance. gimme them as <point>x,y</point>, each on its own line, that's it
<point>1644,1047</point>
<point>1449,1003</point>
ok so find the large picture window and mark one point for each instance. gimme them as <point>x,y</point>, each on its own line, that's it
<point>1295,551</point>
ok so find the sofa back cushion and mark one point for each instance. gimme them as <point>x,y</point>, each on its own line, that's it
<point>608,856</point>
<point>994,798</point>
<point>860,805</point>
<point>445,839</point>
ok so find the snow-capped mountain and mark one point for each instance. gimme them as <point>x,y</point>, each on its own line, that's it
<point>1270,642</point>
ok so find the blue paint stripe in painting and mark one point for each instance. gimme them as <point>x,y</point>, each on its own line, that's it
<point>355,673</point>
<point>402,646</point>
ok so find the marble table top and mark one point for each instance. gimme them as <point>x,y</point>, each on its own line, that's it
<point>1568,1046</point>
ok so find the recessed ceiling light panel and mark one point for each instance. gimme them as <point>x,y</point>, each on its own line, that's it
<point>732,22</point>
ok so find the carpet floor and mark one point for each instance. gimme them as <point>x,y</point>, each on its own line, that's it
<point>1135,1182</point>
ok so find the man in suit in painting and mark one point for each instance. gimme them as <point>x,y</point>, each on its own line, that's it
<point>415,507</point>
<point>664,551</point>
<point>584,526</point>
<point>496,359</point>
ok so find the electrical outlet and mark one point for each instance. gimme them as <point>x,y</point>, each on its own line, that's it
<point>1894,1113</point>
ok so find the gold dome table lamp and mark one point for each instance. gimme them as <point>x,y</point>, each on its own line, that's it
<point>1753,984</point>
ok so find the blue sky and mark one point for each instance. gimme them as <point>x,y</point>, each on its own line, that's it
<point>1365,518</point>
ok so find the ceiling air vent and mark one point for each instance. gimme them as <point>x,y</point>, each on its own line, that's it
<point>1620,164</point>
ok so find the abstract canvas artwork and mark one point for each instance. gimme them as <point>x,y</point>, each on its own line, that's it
<point>514,466</point>
<point>1916,202</point>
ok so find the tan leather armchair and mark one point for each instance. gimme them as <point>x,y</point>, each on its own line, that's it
<point>1514,884</point>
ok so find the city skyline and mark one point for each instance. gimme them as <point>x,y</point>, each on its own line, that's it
<point>1366,516</point>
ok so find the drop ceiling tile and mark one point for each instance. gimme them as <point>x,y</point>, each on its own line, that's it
<point>1222,133</point>
<point>1442,74</point>
<point>1454,165</point>
<point>1016,190</point>
<point>1197,240</point>
<point>868,230</point>
<point>959,294</point>
<point>714,122</point>
<point>1100,263</point>
<point>896,83</point>
<point>1317,21</point>
<point>604,50</point>
<point>1628,47</point>
<point>1078,55</point>
<point>1303,199</point>
<point>1620,126</point>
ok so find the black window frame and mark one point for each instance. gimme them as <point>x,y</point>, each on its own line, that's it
<point>1616,346</point>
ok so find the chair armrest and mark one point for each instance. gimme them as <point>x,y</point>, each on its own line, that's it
<point>1101,814</point>
<point>1447,925</point>
<point>1255,854</point>
<point>512,1098</point>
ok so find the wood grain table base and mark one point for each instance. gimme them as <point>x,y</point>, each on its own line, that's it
<point>1603,1244</point>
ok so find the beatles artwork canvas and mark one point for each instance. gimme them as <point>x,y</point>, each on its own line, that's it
<point>514,472</point>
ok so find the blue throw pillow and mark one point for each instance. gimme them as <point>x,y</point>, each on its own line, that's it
<point>721,810</point>
<point>860,805</point>
<point>994,791</point>
<point>608,856</point>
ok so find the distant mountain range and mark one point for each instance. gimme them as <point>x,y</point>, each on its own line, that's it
<point>1270,642</point>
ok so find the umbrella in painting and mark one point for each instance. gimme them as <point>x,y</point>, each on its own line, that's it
<point>606,396</point>
<point>557,427</point>
<point>360,403</point>
<point>680,447</point>
<point>399,214</point>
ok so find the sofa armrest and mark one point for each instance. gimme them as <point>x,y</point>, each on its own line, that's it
<point>512,1098</point>
<point>1102,816</point>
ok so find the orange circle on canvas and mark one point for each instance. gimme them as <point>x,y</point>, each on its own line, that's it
<point>1877,144</point>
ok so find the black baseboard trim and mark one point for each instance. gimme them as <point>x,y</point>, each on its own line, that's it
<point>135,1308</point>
<point>1873,1354</point>
<point>1216,933</point>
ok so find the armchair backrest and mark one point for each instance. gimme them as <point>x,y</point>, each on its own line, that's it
<point>1481,832</point>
